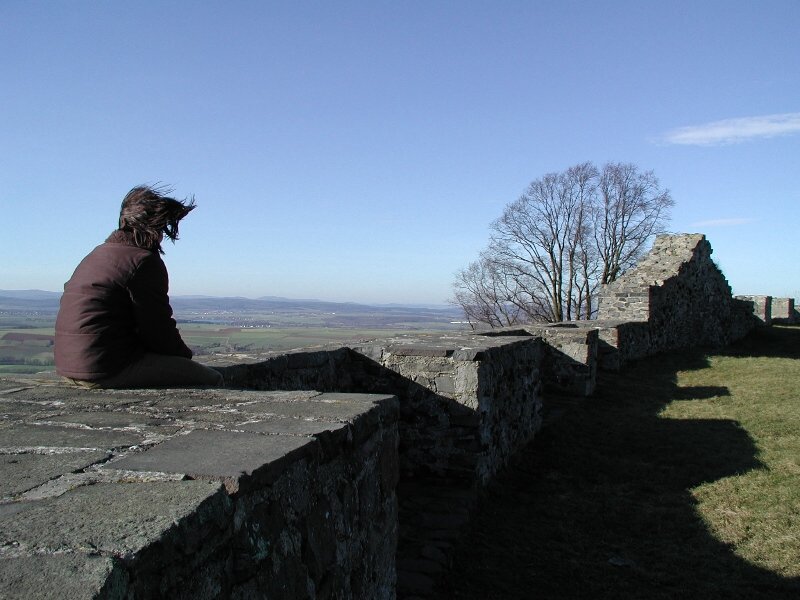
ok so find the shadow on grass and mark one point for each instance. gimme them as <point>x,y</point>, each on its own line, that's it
<point>598,506</point>
<point>781,341</point>
<point>700,392</point>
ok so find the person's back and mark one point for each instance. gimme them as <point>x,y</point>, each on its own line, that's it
<point>115,327</point>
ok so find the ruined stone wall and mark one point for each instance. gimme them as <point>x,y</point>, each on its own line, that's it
<point>466,404</point>
<point>622,341</point>
<point>783,311</point>
<point>759,306</point>
<point>682,296</point>
<point>322,473</point>
<point>571,355</point>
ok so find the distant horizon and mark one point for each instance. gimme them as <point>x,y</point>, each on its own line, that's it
<point>359,151</point>
<point>33,291</point>
<point>435,306</point>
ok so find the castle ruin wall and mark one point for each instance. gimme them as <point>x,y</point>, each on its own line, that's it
<point>783,311</point>
<point>761,307</point>
<point>680,295</point>
<point>321,473</point>
<point>467,403</point>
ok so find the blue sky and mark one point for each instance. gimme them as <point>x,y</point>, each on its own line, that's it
<point>358,151</point>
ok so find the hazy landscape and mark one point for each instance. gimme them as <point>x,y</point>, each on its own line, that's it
<point>214,325</point>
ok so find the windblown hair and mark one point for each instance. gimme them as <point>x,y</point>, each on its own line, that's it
<point>147,212</point>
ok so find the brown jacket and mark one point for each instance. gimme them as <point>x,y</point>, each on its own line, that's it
<point>114,309</point>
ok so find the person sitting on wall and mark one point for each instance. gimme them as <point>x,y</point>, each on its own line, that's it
<point>114,327</point>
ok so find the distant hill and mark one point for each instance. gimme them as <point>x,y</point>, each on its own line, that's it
<point>30,294</point>
<point>29,300</point>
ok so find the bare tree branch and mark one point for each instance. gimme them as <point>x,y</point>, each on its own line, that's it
<point>565,235</point>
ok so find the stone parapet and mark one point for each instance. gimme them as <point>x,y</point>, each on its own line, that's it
<point>467,385</point>
<point>621,341</point>
<point>570,351</point>
<point>480,397</point>
<point>783,311</point>
<point>196,494</point>
<point>761,307</point>
<point>467,403</point>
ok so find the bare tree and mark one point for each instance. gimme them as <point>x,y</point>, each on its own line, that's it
<point>564,236</point>
<point>631,210</point>
<point>484,293</point>
<point>541,236</point>
<point>579,185</point>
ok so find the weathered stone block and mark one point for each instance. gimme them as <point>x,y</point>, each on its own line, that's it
<point>783,311</point>
<point>61,577</point>
<point>762,307</point>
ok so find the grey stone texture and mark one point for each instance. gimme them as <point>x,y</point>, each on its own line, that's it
<point>681,296</point>
<point>784,311</point>
<point>570,355</point>
<point>196,493</point>
<point>77,576</point>
<point>760,306</point>
<point>621,341</point>
<point>467,403</point>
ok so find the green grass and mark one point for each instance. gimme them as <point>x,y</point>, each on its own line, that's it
<point>758,512</point>
<point>22,369</point>
<point>29,356</point>
<point>215,339</point>
<point>679,479</point>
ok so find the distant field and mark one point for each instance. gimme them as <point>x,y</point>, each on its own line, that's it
<point>224,325</point>
<point>210,339</point>
<point>26,350</point>
<point>213,325</point>
<point>29,350</point>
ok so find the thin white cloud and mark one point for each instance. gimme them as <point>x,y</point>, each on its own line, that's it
<point>722,222</point>
<point>731,131</point>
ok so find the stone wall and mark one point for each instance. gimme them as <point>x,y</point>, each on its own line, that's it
<point>466,386</point>
<point>759,306</point>
<point>681,296</point>
<point>783,311</point>
<point>196,494</point>
<point>467,403</point>
<point>571,355</point>
<point>622,341</point>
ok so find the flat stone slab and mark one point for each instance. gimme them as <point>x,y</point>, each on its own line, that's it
<point>22,472</point>
<point>290,426</point>
<point>50,436</point>
<point>227,456</point>
<point>117,519</point>
<point>327,411</point>
<point>78,577</point>
<point>112,420</point>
